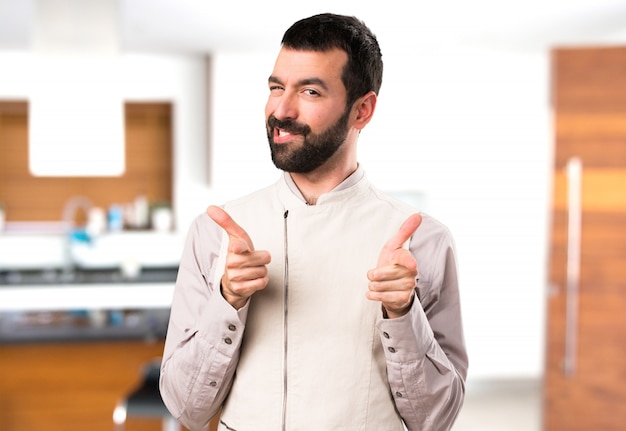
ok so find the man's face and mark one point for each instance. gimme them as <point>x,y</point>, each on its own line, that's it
<point>306,113</point>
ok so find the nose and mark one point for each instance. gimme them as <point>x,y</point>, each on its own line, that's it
<point>283,106</point>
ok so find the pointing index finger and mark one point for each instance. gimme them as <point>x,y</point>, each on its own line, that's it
<point>407,229</point>
<point>223,219</point>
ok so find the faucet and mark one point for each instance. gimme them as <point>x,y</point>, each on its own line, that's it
<point>72,205</point>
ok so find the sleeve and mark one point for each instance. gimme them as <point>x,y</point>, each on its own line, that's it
<point>204,334</point>
<point>425,349</point>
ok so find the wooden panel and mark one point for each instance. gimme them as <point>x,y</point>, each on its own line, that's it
<point>73,386</point>
<point>590,123</point>
<point>603,243</point>
<point>593,150</point>
<point>594,125</point>
<point>588,400</point>
<point>148,166</point>
<point>588,79</point>
<point>602,190</point>
<point>13,107</point>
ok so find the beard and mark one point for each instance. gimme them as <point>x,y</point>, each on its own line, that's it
<point>316,148</point>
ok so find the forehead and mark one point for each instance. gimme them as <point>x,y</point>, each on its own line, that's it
<point>297,65</point>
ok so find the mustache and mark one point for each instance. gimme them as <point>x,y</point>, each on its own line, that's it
<point>288,125</point>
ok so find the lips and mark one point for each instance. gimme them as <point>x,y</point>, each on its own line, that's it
<point>284,130</point>
<point>282,135</point>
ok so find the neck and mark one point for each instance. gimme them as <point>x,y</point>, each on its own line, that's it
<point>325,178</point>
<point>314,184</point>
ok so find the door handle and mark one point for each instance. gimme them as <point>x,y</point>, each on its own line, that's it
<point>574,231</point>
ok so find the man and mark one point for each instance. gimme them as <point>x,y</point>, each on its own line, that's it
<point>300,306</point>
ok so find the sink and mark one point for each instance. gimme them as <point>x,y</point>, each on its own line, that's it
<point>48,246</point>
<point>147,249</point>
<point>33,245</point>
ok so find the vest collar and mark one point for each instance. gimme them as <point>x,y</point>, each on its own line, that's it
<point>353,185</point>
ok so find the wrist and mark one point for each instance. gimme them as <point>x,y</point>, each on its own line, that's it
<point>394,313</point>
<point>236,301</point>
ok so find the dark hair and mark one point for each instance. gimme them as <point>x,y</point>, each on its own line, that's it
<point>364,70</point>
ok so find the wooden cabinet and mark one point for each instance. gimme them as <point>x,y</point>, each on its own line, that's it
<point>70,386</point>
<point>585,380</point>
<point>73,386</point>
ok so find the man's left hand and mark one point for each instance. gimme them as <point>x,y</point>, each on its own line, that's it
<point>393,280</point>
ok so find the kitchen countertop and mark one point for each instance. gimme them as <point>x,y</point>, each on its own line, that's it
<point>85,296</point>
<point>84,305</point>
<point>71,276</point>
<point>51,291</point>
<point>57,286</point>
<point>81,326</point>
<point>84,312</point>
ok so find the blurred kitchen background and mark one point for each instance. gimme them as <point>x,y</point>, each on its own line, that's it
<point>121,120</point>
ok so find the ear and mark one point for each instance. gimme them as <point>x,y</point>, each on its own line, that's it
<point>364,108</point>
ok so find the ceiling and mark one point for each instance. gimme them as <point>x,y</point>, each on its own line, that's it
<point>205,26</point>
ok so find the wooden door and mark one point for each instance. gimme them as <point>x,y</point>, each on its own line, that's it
<point>585,378</point>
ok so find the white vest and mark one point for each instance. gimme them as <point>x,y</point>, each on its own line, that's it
<point>311,356</point>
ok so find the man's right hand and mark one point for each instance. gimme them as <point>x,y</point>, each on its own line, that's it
<point>245,271</point>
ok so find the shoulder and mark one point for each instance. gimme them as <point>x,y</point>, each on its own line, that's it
<point>435,252</point>
<point>432,229</point>
<point>204,236</point>
<point>251,198</point>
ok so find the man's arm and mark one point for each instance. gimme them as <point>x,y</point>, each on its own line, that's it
<point>425,349</point>
<point>204,334</point>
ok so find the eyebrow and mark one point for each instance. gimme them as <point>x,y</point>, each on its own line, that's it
<point>306,81</point>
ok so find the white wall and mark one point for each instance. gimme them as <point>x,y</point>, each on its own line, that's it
<point>467,128</point>
<point>470,129</point>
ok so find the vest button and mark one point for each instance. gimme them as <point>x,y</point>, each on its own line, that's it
<point>386,335</point>
<point>391,349</point>
<point>399,394</point>
<point>227,340</point>
<point>232,327</point>
<point>213,384</point>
